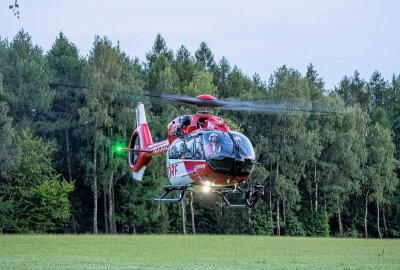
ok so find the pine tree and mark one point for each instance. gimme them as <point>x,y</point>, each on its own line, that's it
<point>183,64</point>
<point>378,90</point>
<point>204,58</point>
<point>221,77</point>
<point>159,48</point>
<point>26,81</point>
<point>354,91</point>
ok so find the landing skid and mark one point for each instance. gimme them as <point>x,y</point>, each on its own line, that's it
<point>249,196</point>
<point>171,188</point>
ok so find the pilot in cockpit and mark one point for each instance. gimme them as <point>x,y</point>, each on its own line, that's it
<point>213,147</point>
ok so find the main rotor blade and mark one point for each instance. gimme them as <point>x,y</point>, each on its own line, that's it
<point>276,107</point>
<point>293,106</point>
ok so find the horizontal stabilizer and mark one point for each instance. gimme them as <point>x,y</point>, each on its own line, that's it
<point>138,176</point>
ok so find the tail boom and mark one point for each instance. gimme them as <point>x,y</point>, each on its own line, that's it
<point>158,148</point>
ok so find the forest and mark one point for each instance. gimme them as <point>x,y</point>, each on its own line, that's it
<point>61,114</point>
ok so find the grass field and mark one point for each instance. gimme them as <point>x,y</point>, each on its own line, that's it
<point>194,252</point>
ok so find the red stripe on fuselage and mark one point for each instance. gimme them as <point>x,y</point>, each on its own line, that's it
<point>199,172</point>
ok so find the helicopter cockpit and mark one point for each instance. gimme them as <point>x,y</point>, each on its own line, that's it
<point>229,152</point>
<point>225,152</point>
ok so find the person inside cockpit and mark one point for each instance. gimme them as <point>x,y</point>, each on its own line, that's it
<point>213,147</point>
<point>183,127</point>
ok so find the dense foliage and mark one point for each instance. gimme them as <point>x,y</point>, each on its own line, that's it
<point>61,114</point>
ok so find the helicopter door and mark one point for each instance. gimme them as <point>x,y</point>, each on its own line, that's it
<point>179,151</point>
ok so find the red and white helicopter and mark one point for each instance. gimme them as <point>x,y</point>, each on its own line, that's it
<point>202,153</point>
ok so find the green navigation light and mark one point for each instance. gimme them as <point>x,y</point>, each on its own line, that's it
<point>118,148</point>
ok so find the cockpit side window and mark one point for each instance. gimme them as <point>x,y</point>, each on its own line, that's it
<point>182,149</point>
<point>176,149</point>
<point>198,148</point>
<point>188,151</point>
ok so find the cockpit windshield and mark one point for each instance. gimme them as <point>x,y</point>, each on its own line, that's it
<point>229,153</point>
<point>244,145</point>
<point>218,145</point>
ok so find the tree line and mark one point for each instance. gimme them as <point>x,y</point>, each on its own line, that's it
<point>61,115</point>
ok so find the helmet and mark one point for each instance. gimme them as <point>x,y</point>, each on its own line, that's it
<point>212,135</point>
<point>184,120</point>
<point>238,139</point>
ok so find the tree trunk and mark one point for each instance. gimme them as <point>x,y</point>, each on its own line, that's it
<point>113,210</point>
<point>377,220</point>
<point>384,221</point>
<point>278,226</point>
<point>111,203</point>
<point>67,147</point>
<point>73,221</point>
<point>69,169</point>
<point>192,212</point>
<point>270,193</point>
<point>316,187</point>
<point>105,209</point>
<point>340,223</point>
<point>95,230</point>
<point>183,204</point>
<point>366,216</point>
<point>284,212</point>
<point>68,154</point>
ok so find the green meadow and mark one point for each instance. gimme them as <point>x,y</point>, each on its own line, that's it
<point>194,252</point>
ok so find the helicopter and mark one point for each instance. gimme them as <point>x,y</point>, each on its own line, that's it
<point>202,153</point>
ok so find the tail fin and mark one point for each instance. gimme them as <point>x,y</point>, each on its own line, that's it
<point>140,141</point>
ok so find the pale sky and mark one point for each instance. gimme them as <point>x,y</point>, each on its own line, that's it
<point>258,36</point>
